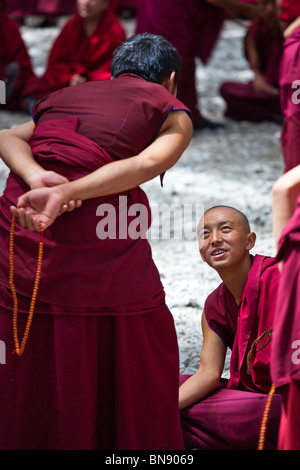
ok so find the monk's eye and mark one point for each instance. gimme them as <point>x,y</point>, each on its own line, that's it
<point>226,228</point>
<point>204,234</point>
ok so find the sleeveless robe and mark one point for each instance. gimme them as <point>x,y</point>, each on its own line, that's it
<point>230,417</point>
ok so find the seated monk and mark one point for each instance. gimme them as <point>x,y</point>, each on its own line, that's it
<point>83,50</point>
<point>15,63</point>
<point>226,414</point>
<point>259,99</point>
<point>285,369</point>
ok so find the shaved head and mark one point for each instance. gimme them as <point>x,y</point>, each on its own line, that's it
<point>243,219</point>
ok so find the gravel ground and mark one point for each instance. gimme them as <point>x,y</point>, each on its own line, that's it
<point>236,165</point>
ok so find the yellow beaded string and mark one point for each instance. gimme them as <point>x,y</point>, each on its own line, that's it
<point>20,349</point>
<point>263,427</point>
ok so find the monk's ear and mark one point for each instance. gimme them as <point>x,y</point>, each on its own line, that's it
<point>169,84</point>
<point>250,242</point>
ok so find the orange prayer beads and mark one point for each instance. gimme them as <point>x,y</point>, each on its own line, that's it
<point>264,422</point>
<point>20,349</point>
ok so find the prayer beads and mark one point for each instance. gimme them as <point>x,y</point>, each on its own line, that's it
<point>20,349</point>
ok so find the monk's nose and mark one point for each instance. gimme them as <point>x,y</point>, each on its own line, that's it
<point>215,237</point>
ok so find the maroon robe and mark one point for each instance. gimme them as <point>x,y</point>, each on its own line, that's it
<point>290,99</point>
<point>243,102</point>
<point>193,27</point>
<point>23,8</point>
<point>100,369</point>
<point>289,10</point>
<point>285,359</point>
<point>73,52</point>
<point>219,420</point>
<point>13,49</point>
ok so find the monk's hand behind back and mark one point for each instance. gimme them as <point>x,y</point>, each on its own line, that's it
<point>47,179</point>
<point>41,206</point>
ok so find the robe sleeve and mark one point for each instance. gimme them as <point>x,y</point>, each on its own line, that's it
<point>221,314</point>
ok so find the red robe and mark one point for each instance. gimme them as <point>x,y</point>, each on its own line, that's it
<point>290,9</point>
<point>290,97</point>
<point>100,369</point>
<point>285,360</point>
<point>23,8</point>
<point>74,52</point>
<point>219,420</point>
<point>193,27</point>
<point>242,101</point>
<point>13,49</point>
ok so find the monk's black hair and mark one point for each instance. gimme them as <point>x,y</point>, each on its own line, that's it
<point>147,55</point>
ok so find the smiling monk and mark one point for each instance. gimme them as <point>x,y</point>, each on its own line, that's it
<point>219,414</point>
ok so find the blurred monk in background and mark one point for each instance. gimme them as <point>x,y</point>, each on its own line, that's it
<point>82,52</point>
<point>15,64</point>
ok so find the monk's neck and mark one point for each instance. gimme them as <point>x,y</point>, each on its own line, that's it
<point>235,278</point>
<point>91,24</point>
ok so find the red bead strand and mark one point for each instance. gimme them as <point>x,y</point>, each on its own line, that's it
<point>263,427</point>
<point>20,349</point>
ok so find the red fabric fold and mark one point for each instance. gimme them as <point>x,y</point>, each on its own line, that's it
<point>71,272</point>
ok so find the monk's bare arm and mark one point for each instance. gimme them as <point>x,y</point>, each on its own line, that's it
<point>291,28</point>
<point>16,153</point>
<point>114,177</point>
<point>207,378</point>
<point>284,196</point>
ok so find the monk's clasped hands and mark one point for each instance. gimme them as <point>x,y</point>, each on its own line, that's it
<point>41,206</point>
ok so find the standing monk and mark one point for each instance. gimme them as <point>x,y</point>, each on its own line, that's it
<point>290,102</point>
<point>83,50</point>
<point>285,364</point>
<point>237,315</point>
<point>100,368</point>
<point>193,27</point>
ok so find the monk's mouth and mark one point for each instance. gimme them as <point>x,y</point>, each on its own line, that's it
<point>218,253</point>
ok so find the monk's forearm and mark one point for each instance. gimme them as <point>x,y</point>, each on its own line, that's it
<point>196,387</point>
<point>16,152</point>
<point>284,196</point>
<point>110,179</point>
